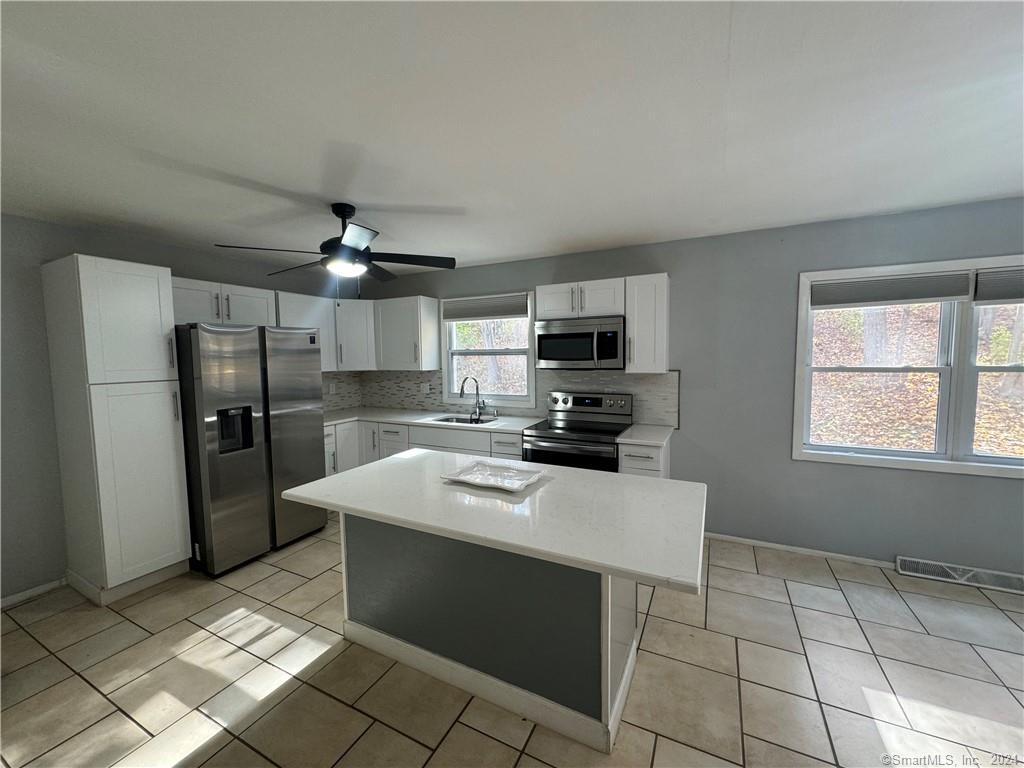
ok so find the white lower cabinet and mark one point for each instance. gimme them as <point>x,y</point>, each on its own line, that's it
<point>341,447</point>
<point>140,475</point>
<point>644,460</point>
<point>347,445</point>
<point>330,451</point>
<point>369,442</point>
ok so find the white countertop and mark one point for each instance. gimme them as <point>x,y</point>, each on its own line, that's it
<point>646,529</point>
<point>508,424</point>
<point>645,434</point>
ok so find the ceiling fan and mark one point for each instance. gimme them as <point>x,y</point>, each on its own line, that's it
<point>349,255</point>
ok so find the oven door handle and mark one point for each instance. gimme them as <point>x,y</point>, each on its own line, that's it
<point>589,450</point>
<point>594,350</point>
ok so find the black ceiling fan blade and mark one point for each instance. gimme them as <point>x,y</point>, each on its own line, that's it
<point>258,248</point>
<point>289,269</point>
<point>379,273</point>
<point>440,262</point>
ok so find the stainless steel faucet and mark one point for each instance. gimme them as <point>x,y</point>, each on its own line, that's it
<point>478,407</point>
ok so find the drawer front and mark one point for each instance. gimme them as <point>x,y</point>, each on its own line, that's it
<point>639,472</point>
<point>510,444</point>
<point>465,451</point>
<point>640,457</point>
<point>394,433</point>
<point>450,438</point>
<point>328,436</point>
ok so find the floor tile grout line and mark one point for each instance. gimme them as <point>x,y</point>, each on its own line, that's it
<point>354,741</point>
<point>660,735</point>
<point>247,744</point>
<point>810,670</point>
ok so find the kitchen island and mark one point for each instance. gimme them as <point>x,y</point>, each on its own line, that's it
<point>525,599</point>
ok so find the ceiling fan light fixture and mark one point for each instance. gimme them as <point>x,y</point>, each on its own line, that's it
<point>357,236</point>
<point>345,268</point>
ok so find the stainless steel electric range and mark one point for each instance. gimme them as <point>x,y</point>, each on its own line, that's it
<point>580,430</point>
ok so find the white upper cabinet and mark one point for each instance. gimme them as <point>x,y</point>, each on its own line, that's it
<point>555,301</point>
<point>140,473</point>
<point>296,310</point>
<point>355,347</point>
<point>407,334</point>
<point>196,301</point>
<point>248,306</point>
<point>602,297</point>
<point>591,298</point>
<point>128,320</point>
<point>647,324</point>
<point>200,301</point>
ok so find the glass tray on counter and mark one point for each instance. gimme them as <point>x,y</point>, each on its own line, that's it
<point>486,474</point>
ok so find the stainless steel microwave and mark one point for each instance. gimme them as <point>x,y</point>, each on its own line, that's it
<point>585,343</point>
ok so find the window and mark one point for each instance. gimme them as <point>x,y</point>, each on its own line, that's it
<point>489,338</point>
<point>919,367</point>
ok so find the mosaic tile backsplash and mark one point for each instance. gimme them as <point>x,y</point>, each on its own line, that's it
<point>655,396</point>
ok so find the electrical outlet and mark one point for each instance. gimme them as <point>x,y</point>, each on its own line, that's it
<point>333,388</point>
<point>425,388</point>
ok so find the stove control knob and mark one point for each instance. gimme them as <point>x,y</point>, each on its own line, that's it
<point>554,401</point>
<point>622,403</point>
<point>565,401</point>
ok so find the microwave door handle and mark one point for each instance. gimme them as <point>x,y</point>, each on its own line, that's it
<point>594,349</point>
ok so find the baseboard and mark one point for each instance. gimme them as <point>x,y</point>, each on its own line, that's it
<point>21,597</point>
<point>575,725</point>
<point>802,550</point>
<point>107,596</point>
<point>615,716</point>
<point>103,596</point>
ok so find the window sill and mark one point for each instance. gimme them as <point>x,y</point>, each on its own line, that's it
<point>492,402</point>
<point>1012,471</point>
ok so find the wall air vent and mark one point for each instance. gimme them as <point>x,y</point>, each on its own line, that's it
<point>960,574</point>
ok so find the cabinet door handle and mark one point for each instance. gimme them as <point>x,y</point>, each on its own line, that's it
<point>390,432</point>
<point>170,349</point>
<point>583,299</point>
<point>629,342</point>
<point>373,433</point>
<point>638,456</point>
<point>174,400</point>
<point>415,352</point>
<point>227,304</point>
<point>503,442</point>
<point>216,305</point>
<point>572,299</point>
<point>334,461</point>
<point>341,354</point>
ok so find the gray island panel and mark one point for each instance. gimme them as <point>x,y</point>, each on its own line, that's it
<point>530,622</point>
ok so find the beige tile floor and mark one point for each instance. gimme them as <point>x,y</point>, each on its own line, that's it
<point>786,660</point>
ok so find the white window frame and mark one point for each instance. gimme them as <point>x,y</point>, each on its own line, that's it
<point>504,401</point>
<point>957,373</point>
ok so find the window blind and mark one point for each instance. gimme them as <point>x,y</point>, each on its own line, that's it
<point>994,286</point>
<point>486,307</point>
<point>903,289</point>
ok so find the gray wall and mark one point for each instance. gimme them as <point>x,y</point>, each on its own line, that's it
<point>734,316</point>
<point>31,520</point>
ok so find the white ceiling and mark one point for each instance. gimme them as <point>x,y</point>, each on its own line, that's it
<point>493,132</point>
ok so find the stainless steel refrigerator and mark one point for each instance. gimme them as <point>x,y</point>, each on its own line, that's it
<point>253,427</point>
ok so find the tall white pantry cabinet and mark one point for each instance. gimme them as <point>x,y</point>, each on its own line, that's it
<point>110,328</point>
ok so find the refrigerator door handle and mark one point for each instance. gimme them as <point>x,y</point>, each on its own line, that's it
<point>341,354</point>
<point>174,400</point>
<point>216,305</point>
<point>170,348</point>
<point>227,305</point>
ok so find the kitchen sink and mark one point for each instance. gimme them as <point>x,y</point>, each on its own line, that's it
<point>464,419</point>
